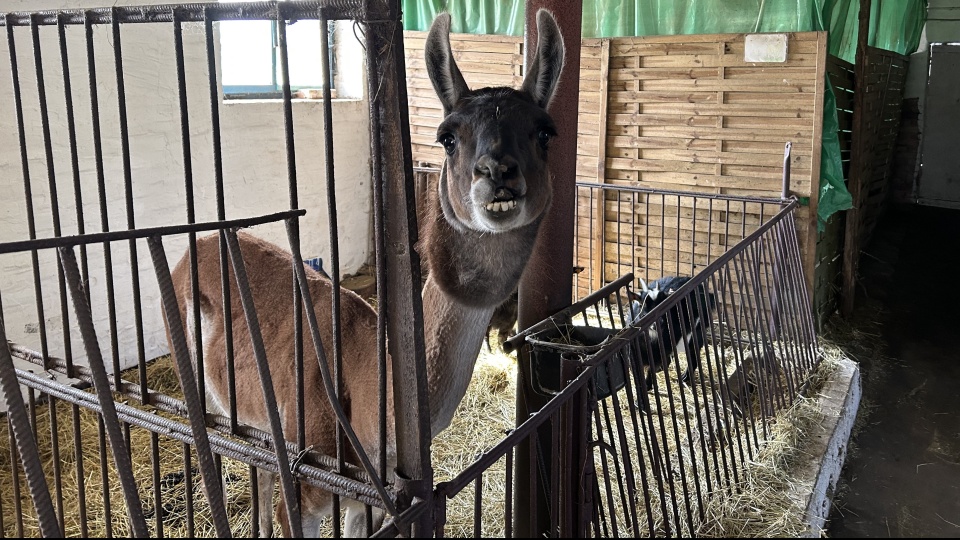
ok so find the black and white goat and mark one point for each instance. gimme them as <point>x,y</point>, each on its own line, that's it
<point>681,328</point>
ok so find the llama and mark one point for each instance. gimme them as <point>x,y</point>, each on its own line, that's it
<point>494,190</point>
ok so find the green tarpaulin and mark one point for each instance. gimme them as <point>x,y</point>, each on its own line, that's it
<point>894,25</point>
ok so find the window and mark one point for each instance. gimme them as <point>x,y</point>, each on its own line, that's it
<point>250,57</point>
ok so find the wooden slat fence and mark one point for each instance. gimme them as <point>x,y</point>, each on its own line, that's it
<point>679,113</point>
<point>828,269</point>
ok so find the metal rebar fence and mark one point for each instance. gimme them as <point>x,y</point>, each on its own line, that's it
<point>105,439</point>
<point>662,395</point>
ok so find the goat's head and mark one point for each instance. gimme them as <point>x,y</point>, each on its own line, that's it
<point>496,139</point>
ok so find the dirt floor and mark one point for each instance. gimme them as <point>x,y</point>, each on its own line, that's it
<point>902,473</point>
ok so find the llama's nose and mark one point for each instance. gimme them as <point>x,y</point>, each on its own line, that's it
<point>500,171</point>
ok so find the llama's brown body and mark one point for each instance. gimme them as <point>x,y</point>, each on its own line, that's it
<point>482,224</point>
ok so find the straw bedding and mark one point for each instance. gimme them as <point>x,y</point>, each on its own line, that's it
<point>762,508</point>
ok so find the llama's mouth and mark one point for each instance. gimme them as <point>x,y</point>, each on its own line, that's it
<point>504,201</point>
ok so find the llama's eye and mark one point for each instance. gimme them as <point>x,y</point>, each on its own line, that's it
<point>449,143</point>
<point>543,137</point>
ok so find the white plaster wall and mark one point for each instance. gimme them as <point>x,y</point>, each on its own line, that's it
<point>254,169</point>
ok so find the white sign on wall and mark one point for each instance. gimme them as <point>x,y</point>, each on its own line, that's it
<point>765,48</point>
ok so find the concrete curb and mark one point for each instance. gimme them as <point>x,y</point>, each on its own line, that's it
<point>840,399</point>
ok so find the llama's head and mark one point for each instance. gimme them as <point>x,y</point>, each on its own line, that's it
<point>496,139</point>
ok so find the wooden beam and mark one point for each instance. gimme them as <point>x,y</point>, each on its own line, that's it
<point>851,246</point>
<point>599,237</point>
<point>810,254</point>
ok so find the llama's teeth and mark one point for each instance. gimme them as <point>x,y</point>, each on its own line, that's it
<point>513,203</point>
<point>503,206</point>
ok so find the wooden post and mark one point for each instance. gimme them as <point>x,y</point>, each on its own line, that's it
<point>394,182</point>
<point>858,167</point>
<point>547,282</point>
<point>816,154</point>
<point>600,204</point>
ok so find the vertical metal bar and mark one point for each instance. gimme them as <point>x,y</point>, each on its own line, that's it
<point>637,431</point>
<point>393,174</point>
<point>478,507</point>
<point>789,302</point>
<point>629,505</point>
<point>795,304</point>
<point>188,490</point>
<point>748,420</point>
<point>102,198</point>
<point>326,377</point>
<point>634,267</point>
<point>607,477</point>
<point>119,449</point>
<point>720,382</point>
<point>211,480</point>
<point>255,502</point>
<point>333,226</point>
<point>290,145</point>
<point>703,322</point>
<point>85,279</point>
<point>661,360</point>
<point>266,385</point>
<point>15,470</point>
<point>104,477</point>
<point>691,319</point>
<point>775,339</point>
<point>508,497</point>
<point>709,231</point>
<point>726,308</point>
<point>679,233</point>
<point>32,409</point>
<point>128,194</point>
<point>554,476</point>
<point>190,206</point>
<point>26,443</point>
<point>221,215</point>
<point>81,477</point>
<point>663,228</point>
<point>27,191</point>
<point>157,495</point>
<point>545,286</point>
<point>787,344</point>
<point>693,241</point>
<point>766,346</point>
<point>659,458</point>
<point>674,334</point>
<point>765,392</point>
<point>646,235</point>
<point>55,214</point>
<point>55,451</point>
<point>3,527</point>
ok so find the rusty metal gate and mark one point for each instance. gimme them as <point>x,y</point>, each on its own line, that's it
<point>92,261</point>
<point>645,437</point>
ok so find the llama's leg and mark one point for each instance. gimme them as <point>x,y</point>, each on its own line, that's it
<point>265,482</point>
<point>356,519</point>
<point>311,523</point>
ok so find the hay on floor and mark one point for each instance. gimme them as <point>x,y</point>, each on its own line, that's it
<point>761,508</point>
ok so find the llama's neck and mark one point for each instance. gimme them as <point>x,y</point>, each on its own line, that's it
<point>471,273</point>
<point>454,334</point>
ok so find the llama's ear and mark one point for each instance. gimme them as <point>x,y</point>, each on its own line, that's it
<point>443,71</point>
<point>543,73</point>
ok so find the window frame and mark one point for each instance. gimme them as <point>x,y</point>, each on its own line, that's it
<point>275,90</point>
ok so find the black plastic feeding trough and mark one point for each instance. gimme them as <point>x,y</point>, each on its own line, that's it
<point>557,341</point>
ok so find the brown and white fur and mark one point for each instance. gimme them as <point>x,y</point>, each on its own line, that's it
<point>493,192</point>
